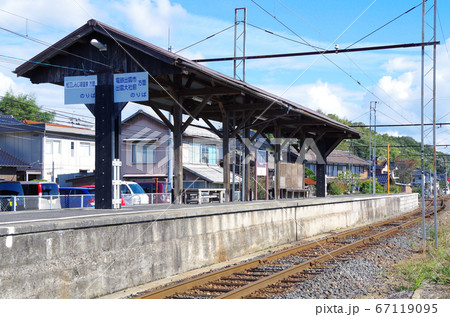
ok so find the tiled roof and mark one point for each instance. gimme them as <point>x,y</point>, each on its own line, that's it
<point>9,160</point>
<point>8,119</point>
<point>30,122</point>
<point>338,157</point>
<point>9,124</point>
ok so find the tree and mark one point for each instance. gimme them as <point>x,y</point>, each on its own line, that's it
<point>349,179</point>
<point>406,168</point>
<point>310,174</point>
<point>24,107</point>
<point>367,187</point>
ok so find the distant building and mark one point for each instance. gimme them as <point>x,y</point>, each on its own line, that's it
<point>9,165</point>
<point>339,161</point>
<point>145,153</point>
<point>51,151</point>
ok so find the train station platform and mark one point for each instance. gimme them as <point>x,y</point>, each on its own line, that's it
<point>88,253</point>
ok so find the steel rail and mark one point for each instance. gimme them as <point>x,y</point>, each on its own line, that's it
<point>191,283</point>
<point>269,280</point>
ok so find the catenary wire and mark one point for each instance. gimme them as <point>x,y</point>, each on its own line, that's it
<point>384,25</point>
<point>206,38</point>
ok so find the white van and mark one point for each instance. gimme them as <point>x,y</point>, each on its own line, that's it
<point>133,194</point>
<point>42,195</point>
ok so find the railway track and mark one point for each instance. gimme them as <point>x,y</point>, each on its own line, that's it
<point>279,272</point>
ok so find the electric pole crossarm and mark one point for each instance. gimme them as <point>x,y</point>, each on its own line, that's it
<point>350,50</point>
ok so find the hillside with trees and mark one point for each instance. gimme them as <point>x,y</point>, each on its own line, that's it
<point>404,150</point>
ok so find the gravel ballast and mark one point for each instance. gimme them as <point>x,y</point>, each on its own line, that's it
<point>363,276</point>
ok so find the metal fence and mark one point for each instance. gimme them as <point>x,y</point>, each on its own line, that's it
<point>17,203</point>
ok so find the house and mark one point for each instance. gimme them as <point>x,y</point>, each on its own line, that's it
<point>51,151</point>
<point>145,153</point>
<point>9,165</point>
<point>338,161</point>
<point>381,174</point>
<point>429,181</point>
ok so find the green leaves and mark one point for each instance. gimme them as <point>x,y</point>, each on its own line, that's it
<point>24,107</point>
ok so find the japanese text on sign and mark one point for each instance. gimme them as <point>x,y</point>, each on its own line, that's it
<point>80,89</point>
<point>130,87</point>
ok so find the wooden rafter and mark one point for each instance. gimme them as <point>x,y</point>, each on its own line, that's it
<point>195,113</point>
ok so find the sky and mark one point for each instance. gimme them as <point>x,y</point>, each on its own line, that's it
<point>342,84</point>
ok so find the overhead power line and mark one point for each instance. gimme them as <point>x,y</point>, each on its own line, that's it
<point>387,23</point>
<point>402,146</point>
<point>398,125</point>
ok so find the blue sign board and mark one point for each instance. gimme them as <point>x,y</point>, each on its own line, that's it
<point>130,87</point>
<point>79,89</point>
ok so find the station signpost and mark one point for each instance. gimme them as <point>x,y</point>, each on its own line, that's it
<point>106,96</point>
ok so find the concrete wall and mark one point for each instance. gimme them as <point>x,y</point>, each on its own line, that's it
<point>91,257</point>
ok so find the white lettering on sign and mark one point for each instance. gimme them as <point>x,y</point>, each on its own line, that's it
<point>130,87</point>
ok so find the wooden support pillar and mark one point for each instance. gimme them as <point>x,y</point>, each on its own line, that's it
<point>247,166</point>
<point>321,182</point>
<point>177,155</point>
<point>276,194</point>
<point>107,115</point>
<point>226,157</point>
<point>104,145</point>
<point>117,132</point>
<point>321,186</point>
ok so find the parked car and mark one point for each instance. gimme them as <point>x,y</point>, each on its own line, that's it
<point>11,196</point>
<point>133,194</point>
<point>74,197</point>
<point>161,189</point>
<point>45,195</point>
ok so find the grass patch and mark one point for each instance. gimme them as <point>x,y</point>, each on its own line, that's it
<point>433,265</point>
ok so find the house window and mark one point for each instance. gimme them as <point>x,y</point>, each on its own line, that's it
<point>143,153</point>
<point>52,147</point>
<point>85,149</point>
<point>332,170</point>
<point>203,154</point>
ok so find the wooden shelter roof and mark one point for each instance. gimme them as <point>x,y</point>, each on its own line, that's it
<point>176,81</point>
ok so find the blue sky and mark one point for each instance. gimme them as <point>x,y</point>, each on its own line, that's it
<point>343,84</point>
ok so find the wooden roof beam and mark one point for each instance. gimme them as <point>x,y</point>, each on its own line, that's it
<point>210,91</point>
<point>195,113</point>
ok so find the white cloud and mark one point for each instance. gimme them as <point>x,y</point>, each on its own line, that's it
<point>393,133</point>
<point>6,84</point>
<point>58,15</point>
<point>324,96</point>
<point>403,63</point>
<point>397,88</point>
<point>151,18</point>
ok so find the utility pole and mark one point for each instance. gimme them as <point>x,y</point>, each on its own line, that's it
<point>240,34</point>
<point>388,171</point>
<point>432,100</point>
<point>422,107</point>
<point>446,177</point>
<point>434,133</point>
<point>370,141</point>
<point>374,158</point>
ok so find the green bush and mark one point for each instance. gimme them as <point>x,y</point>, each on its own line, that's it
<point>394,189</point>
<point>336,188</point>
<point>417,190</point>
<point>310,174</point>
<point>367,187</point>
